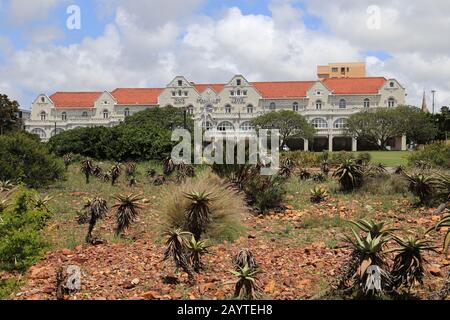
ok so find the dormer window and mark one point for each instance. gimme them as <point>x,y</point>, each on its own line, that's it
<point>180,83</point>
<point>342,104</point>
<point>366,103</point>
<point>84,114</point>
<point>64,116</point>
<point>273,106</point>
<point>238,82</point>
<point>392,84</point>
<point>42,99</point>
<point>295,107</point>
<point>126,112</point>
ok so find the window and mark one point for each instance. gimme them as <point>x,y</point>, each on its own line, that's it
<point>39,132</point>
<point>185,93</point>
<point>225,126</point>
<point>84,114</point>
<point>105,114</point>
<point>335,70</point>
<point>391,103</point>
<point>64,116</point>
<point>239,92</point>
<point>244,92</point>
<point>319,123</point>
<point>207,126</point>
<point>174,93</point>
<point>127,112</point>
<point>342,70</point>
<point>43,116</point>
<point>249,108</point>
<point>341,123</point>
<point>190,110</point>
<point>227,108</point>
<point>318,105</point>
<point>342,104</point>
<point>366,103</point>
<point>42,99</point>
<point>180,93</point>
<point>105,102</point>
<point>273,106</point>
<point>392,84</point>
<point>246,126</point>
<point>318,93</point>
<point>180,83</point>
<point>295,107</point>
<point>238,82</point>
<point>232,93</point>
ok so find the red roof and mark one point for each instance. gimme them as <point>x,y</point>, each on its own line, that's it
<point>202,87</point>
<point>140,96</point>
<point>288,89</point>
<point>80,100</point>
<point>355,85</point>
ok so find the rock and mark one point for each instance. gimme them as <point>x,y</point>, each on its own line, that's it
<point>66,252</point>
<point>435,271</point>
<point>135,281</point>
<point>151,295</point>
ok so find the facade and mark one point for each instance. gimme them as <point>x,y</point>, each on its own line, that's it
<point>342,70</point>
<point>327,104</point>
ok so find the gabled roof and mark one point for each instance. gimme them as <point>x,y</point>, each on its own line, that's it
<point>287,89</point>
<point>137,96</point>
<point>75,100</point>
<point>355,85</point>
<point>202,87</point>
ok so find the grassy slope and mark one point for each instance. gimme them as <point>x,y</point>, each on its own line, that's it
<point>390,158</point>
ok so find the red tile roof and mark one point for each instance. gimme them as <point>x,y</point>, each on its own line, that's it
<point>288,89</point>
<point>74,99</point>
<point>355,85</point>
<point>202,87</point>
<point>139,96</point>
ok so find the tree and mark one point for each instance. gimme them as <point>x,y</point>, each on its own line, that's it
<point>442,121</point>
<point>8,115</point>
<point>290,124</point>
<point>378,126</point>
<point>416,125</point>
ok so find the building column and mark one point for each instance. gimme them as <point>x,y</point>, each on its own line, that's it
<point>404,146</point>
<point>354,144</point>
<point>305,144</point>
<point>330,143</point>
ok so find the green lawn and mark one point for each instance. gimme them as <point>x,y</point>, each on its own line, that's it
<point>390,158</point>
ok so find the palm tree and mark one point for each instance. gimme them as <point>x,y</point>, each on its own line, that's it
<point>97,208</point>
<point>246,286</point>
<point>198,212</point>
<point>349,175</point>
<point>422,186</point>
<point>176,248</point>
<point>86,168</point>
<point>115,173</point>
<point>196,250</point>
<point>127,211</point>
<point>409,262</point>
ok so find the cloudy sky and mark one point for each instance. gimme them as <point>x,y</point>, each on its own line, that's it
<point>123,43</point>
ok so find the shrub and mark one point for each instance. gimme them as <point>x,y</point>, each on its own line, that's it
<point>423,186</point>
<point>24,159</point>
<point>227,207</point>
<point>265,192</point>
<point>436,153</point>
<point>340,157</point>
<point>305,158</point>
<point>21,244</point>
<point>350,175</point>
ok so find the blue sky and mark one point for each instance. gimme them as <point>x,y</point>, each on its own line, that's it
<point>146,42</point>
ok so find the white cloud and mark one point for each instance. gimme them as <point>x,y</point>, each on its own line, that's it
<point>24,11</point>
<point>148,47</point>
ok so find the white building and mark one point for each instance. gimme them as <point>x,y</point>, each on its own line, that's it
<point>326,104</point>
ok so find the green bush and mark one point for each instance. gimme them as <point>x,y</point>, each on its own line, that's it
<point>265,192</point>
<point>304,158</point>
<point>24,159</point>
<point>21,244</point>
<point>436,153</point>
<point>143,136</point>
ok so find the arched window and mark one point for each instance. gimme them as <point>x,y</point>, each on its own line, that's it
<point>190,110</point>
<point>42,99</point>
<point>392,84</point>
<point>249,108</point>
<point>319,105</point>
<point>39,132</point>
<point>295,107</point>
<point>366,103</point>
<point>227,108</point>
<point>208,126</point>
<point>43,116</point>
<point>342,104</point>
<point>319,123</point>
<point>64,116</point>
<point>341,123</point>
<point>391,102</point>
<point>225,126</point>
<point>246,126</point>
<point>105,114</point>
<point>84,114</point>
<point>126,112</point>
<point>273,106</point>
